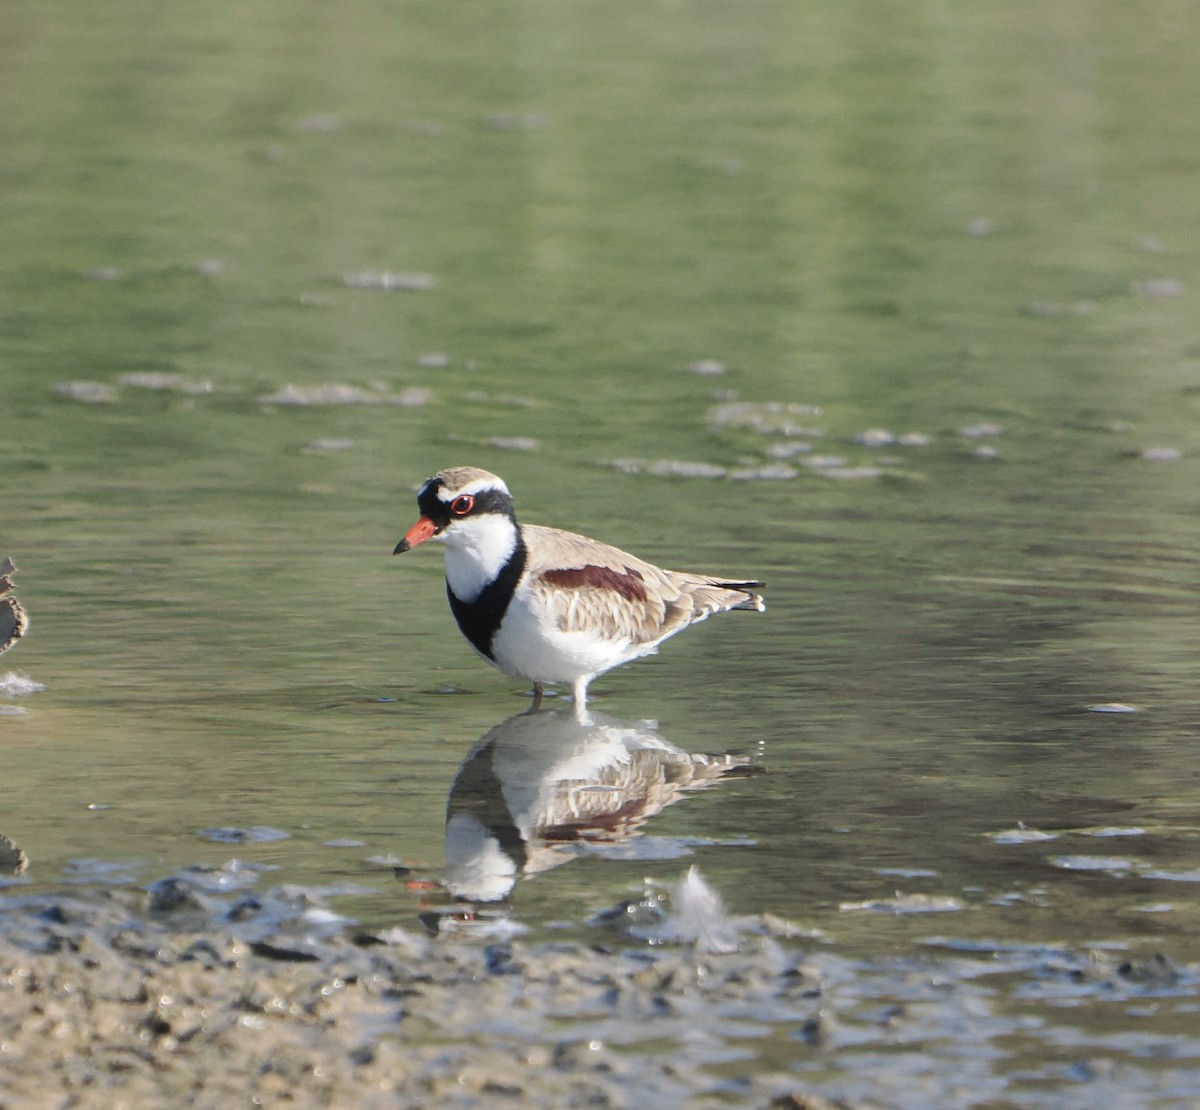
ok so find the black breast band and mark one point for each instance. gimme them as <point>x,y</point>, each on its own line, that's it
<point>480,619</point>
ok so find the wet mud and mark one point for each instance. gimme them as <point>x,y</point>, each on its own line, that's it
<point>201,991</point>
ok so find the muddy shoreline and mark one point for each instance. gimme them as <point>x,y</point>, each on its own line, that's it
<point>106,1000</point>
<point>203,990</point>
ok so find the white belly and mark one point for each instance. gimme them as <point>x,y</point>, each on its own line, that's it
<point>529,646</point>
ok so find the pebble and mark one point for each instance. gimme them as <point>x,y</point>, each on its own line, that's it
<point>389,280</point>
<point>1192,876</point>
<point>257,834</point>
<point>1091,863</point>
<point>851,473</point>
<point>513,443</point>
<point>907,903</point>
<point>1157,287</point>
<point>167,383</point>
<point>774,473</point>
<point>875,437</point>
<point>91,393</point>
<point>337,393</point>
<point>1021,835</point>
<point>765,417</point>
<point>669,468</point>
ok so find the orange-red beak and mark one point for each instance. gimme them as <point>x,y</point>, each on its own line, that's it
<point>423,530</point>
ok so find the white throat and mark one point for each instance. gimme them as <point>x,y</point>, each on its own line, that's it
<point>477,550</point>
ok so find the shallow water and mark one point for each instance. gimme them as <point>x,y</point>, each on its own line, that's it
<point>506,241</point>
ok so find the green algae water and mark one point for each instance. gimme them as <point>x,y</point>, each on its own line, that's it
<point>893,307</point>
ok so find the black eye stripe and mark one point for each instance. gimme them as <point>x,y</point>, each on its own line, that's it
<point>441,512</point>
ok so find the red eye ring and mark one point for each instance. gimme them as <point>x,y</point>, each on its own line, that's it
<point>460,506</point>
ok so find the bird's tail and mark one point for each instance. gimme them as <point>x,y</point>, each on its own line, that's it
<point>751,600</point>
<point>716,595</point>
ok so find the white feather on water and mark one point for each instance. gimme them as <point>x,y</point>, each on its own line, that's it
<point>698,916</point>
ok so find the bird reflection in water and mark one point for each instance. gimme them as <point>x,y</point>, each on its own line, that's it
<point>541,787</point>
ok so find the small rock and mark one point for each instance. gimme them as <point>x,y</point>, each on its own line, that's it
<point>173,895</point>
<point>851,473</point>
<point>257,834</point>
<point>1157,287</point>
<point>91,393</point>
<point>337,393</point>
<point>1091,863</point>
<point>1022,835</point>
<point>513,443</point>
<point>775,473</point>
<point>160,382</point>
<point>389,280</point>
<point>907,903</point>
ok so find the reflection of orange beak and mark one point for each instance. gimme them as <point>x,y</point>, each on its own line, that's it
<point>423,530</point>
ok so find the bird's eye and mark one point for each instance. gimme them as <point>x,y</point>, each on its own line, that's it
<point>460,506</point>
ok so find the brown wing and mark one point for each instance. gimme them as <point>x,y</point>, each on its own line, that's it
<point>587,586</point>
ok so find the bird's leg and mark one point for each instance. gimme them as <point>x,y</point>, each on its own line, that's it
<point>538,691</point>
<point>579,693</point>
